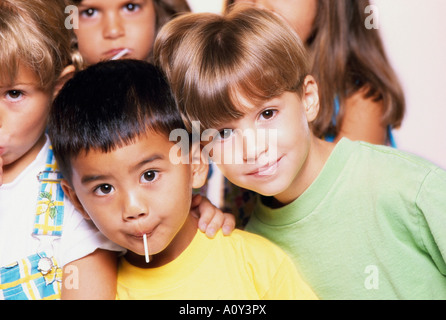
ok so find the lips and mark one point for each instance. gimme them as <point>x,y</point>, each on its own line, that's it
<point>266,170</point>
<point>113,52</point>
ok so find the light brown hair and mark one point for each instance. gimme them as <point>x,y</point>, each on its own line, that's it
<point>346,57</point>
<point>32,33</point>
<point>211,60</point>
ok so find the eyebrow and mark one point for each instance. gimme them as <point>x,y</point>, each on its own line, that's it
<point>91,178</point>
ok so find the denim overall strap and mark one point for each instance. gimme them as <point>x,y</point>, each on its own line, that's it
<point>38,276</point>
<point>50,207</point>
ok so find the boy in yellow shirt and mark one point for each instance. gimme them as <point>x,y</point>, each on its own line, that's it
<point>112,127</point>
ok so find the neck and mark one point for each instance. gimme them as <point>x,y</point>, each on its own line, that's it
<point>318,154</point>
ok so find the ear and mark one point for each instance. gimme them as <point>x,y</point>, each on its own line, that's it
<point>71,195</point>
<point>199,166</point>
<point>66,75</point>
<point>311,98</point>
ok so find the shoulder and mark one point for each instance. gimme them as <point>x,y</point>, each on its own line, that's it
<point>255,249</point>
<point>395,157</point>
<point>271,270</point>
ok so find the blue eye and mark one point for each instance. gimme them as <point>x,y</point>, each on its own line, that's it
<point>149,176</point>
<point>103,190</point>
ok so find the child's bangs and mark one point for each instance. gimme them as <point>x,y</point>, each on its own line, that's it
<point>229,90</point>
<point>22,44</point>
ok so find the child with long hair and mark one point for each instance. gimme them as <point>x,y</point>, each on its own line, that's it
<point>41,232</point>
<point>361,97</point>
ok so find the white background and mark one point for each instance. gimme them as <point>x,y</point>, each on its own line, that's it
<point>414,34</point>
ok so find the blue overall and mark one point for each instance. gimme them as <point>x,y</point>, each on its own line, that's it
<point>38,276</point>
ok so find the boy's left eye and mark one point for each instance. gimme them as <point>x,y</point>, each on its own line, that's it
<point>149,176</point>
<point>268,114</point>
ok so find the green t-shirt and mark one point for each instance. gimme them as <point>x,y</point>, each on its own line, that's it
<point>371,226</point>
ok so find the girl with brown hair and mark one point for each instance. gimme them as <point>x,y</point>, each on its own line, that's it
<point>360,95</point>
<point>107,28</point>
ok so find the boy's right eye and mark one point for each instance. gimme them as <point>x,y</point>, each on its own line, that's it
<point>103,190</point>
<point>224,134</point>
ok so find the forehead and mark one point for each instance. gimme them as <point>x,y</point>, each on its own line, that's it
<point>109,3</point>
<point>20,75</point>
<point>125,155</point>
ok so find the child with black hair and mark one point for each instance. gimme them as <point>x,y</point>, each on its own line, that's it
<point>111,127</point>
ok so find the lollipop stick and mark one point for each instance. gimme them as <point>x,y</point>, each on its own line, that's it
<point>120,54</point>
<point>146,248</point>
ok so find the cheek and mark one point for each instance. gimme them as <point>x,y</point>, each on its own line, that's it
<point>143,38</point>
<point>30,126</point>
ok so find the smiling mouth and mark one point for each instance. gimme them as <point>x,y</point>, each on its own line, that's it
<point>267,170</point>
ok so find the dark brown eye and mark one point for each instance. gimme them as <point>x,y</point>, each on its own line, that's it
<point>149,176</point>
<point>268,114</point>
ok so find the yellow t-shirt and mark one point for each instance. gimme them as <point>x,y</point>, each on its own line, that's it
<point>240,266</point>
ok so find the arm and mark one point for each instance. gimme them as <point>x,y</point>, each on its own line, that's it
<point>211,219</point>
<point>362,120</point>
<point>92,277</point>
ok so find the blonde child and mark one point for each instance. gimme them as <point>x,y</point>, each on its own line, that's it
<point>360,221</point>
<point>40,230</point>
<point>41,233</point>
<point>113,141</point>
<point>106,27</point>
<point>360,95</point>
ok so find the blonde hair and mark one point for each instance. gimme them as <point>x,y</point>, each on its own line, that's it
<point>211,59</point>
<point>32,34</point>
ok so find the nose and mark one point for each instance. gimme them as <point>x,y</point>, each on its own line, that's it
<point>255,145</point>
<point>135,206</point>
<point>112,26</point>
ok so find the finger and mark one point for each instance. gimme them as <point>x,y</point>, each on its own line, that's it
<point>228,224</point>
<point>196,200</point>
<point>206,212</point>
<point>194,207</point>
<point>215,224</point>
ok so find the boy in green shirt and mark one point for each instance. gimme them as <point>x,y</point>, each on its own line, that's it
<point>360,221</point>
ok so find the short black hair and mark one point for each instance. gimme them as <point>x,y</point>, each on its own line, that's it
<point>109,105</point>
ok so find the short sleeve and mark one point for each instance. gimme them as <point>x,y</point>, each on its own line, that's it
<point>431,201</point>
<point>80,237</point>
